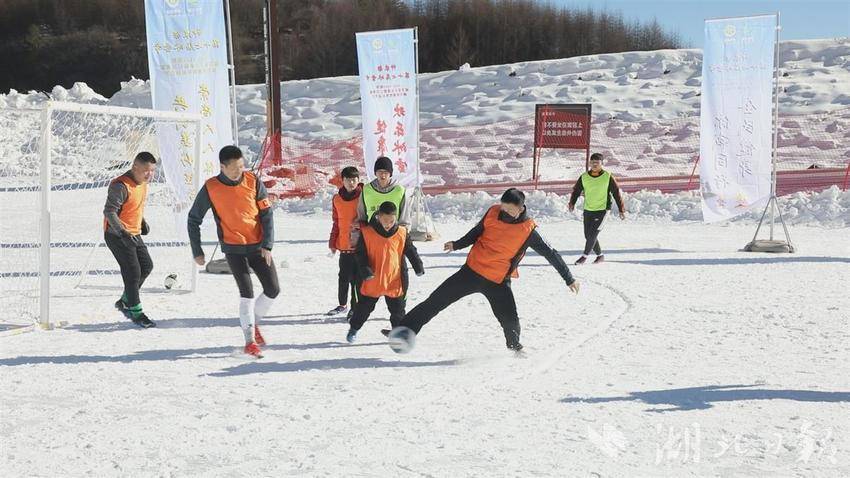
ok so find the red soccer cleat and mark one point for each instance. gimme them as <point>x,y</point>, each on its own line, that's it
<point>258,337</point>
<point>253,349</point>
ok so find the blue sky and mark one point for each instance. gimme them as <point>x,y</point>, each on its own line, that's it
<point>800,19</point>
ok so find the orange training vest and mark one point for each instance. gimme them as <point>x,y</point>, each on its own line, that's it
<point>238,210</point>
<point>492,253</point>
<point>346,214</point>
<point>385,258</point>
<point>133,210</point>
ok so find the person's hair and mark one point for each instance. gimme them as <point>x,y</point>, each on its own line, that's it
<point>596,157</point>
<point>514,196</point>
<point>145,157</point>
<point>350,172</point>
<point>384,163</point>
<point>228,154</point>
<point>387,207</point>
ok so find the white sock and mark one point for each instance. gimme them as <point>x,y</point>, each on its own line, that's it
<point>262,306</point>
<point>246,318</point>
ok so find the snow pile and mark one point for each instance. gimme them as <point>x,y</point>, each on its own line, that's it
<point>630,86</point>
<point>830,207</point>
<point>645,104</point>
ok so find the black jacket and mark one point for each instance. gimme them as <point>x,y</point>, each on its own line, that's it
<point>364,271</point>
<point>535,241</point>
<point>203,204</point>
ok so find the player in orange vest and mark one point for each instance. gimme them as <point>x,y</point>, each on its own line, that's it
<point>344,216</point>
<point>498,242</point>
<point>124,225</point>
<point>380,251</point>
<point>245,224</point>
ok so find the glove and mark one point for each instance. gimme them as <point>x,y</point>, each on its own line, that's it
<point>145,228</point>
<point>420,273</point>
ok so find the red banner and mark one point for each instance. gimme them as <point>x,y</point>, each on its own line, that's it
<point>562,126</point>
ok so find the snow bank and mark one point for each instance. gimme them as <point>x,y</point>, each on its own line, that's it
<point>630,86</point>
<point>830,208</point>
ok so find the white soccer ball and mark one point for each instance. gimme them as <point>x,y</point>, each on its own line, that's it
<point>170,281</point>
<point>402,340</point>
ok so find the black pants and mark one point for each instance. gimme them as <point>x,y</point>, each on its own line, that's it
<point>463,283</point>
<point>239,264</point>
<point>365,305</point>
<point>592,225</point>
<point>134,261</point>
<point>347,279</point>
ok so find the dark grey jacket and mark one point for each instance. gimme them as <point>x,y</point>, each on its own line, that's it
<point>203,204</point>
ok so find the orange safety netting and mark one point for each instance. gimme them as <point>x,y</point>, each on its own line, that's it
<point>651,154</point>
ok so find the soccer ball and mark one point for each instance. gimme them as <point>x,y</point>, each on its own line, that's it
<point>402,340</point>
<point>170,280</point>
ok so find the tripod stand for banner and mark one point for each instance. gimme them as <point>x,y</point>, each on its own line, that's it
<point>773,245</point>
<point>422,227</point>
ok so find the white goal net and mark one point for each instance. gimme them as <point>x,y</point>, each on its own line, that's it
<point>51,238</point>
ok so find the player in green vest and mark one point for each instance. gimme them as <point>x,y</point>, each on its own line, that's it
<point>382,189</point>
<point>599,187</point>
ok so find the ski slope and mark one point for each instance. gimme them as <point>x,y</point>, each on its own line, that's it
<point>680,357</point>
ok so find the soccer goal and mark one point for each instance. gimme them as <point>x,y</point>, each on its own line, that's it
<point>56,162</point>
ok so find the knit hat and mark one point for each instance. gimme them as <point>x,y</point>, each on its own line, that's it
<point>514,196</point>
<point>384,163</point>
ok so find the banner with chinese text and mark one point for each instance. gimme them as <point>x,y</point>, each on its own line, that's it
<point>187,59</point>
<point>736,115</point>
<point>387,63</point>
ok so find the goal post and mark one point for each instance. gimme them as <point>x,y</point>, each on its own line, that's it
<point>56,162</point>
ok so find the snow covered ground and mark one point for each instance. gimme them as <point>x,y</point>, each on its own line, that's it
<point>681,356</point>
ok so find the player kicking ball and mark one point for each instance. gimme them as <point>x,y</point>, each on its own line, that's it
<point>499,242</point>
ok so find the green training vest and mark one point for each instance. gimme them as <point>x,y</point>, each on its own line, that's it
<point>595,191</point>
<point>373,199</point>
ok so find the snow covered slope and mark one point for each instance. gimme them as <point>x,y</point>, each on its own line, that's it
<point>630,86</point>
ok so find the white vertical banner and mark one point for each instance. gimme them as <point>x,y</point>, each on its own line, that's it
<point>187,58</point>
<point>388,96</point>
<point>736,115</point>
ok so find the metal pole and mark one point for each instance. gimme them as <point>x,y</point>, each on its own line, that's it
<point>232,71</point>
<point>775,125</point>
<point>275,126</point>
<point>196,181</point>
<point>418,189</point>
<point>44,249</point>
<point>266,40</point>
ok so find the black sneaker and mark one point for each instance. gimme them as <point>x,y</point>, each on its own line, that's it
<point>515,346</point>
<point>599,259</point>
<point>351,336</point>
<point>143,321</point>
<point>337,310</point>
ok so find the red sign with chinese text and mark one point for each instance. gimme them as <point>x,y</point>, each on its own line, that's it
<point>562,126</point>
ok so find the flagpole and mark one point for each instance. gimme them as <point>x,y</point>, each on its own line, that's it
<point>418,190</point>
<point>232,71</point>
<point>772,201</point>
